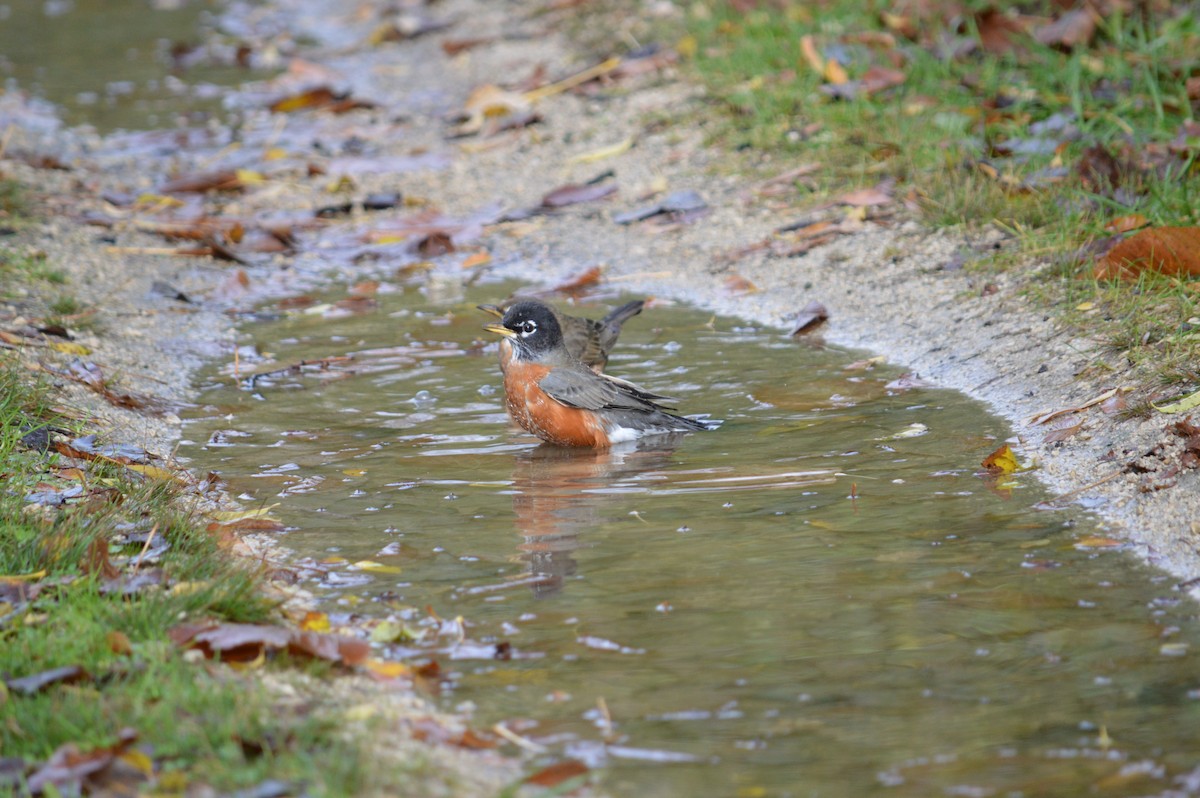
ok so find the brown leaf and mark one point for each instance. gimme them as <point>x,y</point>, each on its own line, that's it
<point>737,284</point>
<point>435,244</point>
<point>243,642</point>
<point>880,194</point>
<point>1127,224</point>
<point>1001,461</point>
<point>96,560</point>
<point>1113,404</point>
<point>1166,250</point>
<point>813,314</point>
<point>557,773</point>
<point>1062,433</point>
<point>37,682</point>
<point>76,772</point>
<point>878,78</point>
<point>999,33</point>
<point>572,194</point>
<point>235,286</point>
<point>577,285</point>
<point>202,182</point>
<point>453,47</point>
<point>1073,29</point>
<point>118,643</point>
<point>247,525</point>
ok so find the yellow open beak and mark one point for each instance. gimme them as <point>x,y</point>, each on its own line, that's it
<point>492,309</point>
<point>500,330</point>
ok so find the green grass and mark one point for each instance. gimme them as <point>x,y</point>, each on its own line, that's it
<point>944,136</point>
<point>200,726</point>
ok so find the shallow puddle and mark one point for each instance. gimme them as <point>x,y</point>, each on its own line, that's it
<point>116,63</point>
<point>821,598</point>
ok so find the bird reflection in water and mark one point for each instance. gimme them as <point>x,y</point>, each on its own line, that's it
<point>559,495</point>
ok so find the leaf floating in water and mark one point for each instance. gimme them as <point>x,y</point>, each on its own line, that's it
<point>559,772</point>
<point>1001,461</point>
<point>908,382</point>
<point>914,430</point>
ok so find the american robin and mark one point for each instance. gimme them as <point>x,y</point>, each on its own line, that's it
<point>553,395</point>
<point>587,339</point>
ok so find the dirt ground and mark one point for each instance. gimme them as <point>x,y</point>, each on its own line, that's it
<point>891,287</point>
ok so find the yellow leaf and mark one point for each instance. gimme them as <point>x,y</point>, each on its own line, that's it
<point>388,238</point>
<point>604,152</point>
<point>154,472</point>
<point>138,761</point>
<point>239,515</point>
<point>1086,306</point>
<point>395,632</point>
<point>315,622</point>
<point>159,200</point>
<point>188,588</point>
<point>835,73</point>
<point>361,712</point>
<point>1182,406</point>
<point>1002,460</point>
<point>376,567</point>
<point>248,177</point>
<point>275,154</point>
<point>390,670</point>
<point>687,46</point>
<point>31,577</point>
<point>1098,542</point>
<point>68,348</point>
<point>354,472</point>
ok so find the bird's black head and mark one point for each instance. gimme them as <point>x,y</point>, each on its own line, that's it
<point>532,327</point>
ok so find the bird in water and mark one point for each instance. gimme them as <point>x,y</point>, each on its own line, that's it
<point>588,340</point>
<point>552,394</point>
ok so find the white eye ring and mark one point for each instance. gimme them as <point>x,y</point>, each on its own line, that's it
<point>528,328</point>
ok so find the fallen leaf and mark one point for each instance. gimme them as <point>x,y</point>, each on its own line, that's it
<point>1071,30</point>
<point>558,773</point>
<point>319,98</point>
<point>573,194</point>
<point>737,284</point>
<point>1182,406</point>
<point>1166,250</point>
<point>37,682</point>
<point>879,194</point>
<point>118,643</point>
<point>610,151</point>
<point>243,642</point>
<point>809,318</point>
<point>1099,542</point>
<point>1126,224</point>
<point>1061,433</point>
<point>477,259</point>
<point>70,771</point>
<point>683,202</point>
<point>1001,461</point>
<point>999,33</point>
<point>453,47</point>
<point>577,285</point>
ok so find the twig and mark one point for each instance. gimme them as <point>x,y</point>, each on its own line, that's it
<point>146,547</point>
<point>518,740</point>
<point>566,84</point>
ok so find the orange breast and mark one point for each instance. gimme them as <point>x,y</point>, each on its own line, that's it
<point>551,421</point>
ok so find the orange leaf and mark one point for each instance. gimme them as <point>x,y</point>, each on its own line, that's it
<point>558,773</point>
<point>1166,250</point>
<point>480,258</point>
<point>1126,224</point>
<point>1001,461</point>
<point>808,48</point>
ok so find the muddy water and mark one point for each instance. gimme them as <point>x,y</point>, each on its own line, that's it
<point>108,63</point>
<point>821,598</point>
